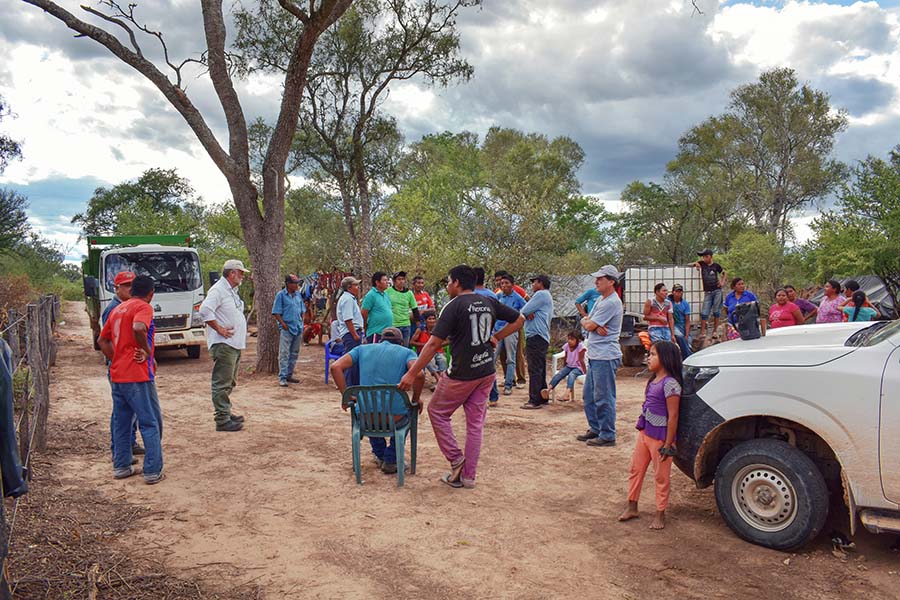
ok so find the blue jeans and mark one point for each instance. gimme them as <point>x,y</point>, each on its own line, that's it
<point>351,375</point>
<point>570,374</point>
<point>683,343</point>
<point>406,330</point>
<point>509,345</point>
<point>600,397</point>
<point>130,400</point>
<point>660,334</point>
<point>438,364</point>
<point>712,305</point>
<point>111,430</point>
<point>288,350</point>
<point>383,448</point>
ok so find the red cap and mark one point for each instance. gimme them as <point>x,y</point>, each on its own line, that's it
<point>123,278</point>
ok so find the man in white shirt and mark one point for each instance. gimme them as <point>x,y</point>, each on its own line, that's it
<point>226,336</point>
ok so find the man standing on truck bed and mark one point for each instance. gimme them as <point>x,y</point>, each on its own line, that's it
<point>713,276</point>
<point>127,341</point>
<point>226,336</point>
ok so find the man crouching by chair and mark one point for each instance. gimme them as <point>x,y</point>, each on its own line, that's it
<point>384,363</point>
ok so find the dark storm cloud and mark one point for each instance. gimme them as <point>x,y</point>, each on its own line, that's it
<point>859,95</point>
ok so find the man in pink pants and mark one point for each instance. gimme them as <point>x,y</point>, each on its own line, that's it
<point>466,322</point>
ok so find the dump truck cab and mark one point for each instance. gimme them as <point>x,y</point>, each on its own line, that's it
<point>175,268</point>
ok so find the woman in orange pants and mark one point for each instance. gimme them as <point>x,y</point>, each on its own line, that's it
<point>657,427</point>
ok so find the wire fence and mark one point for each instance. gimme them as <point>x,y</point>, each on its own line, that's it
<point>30,337</point>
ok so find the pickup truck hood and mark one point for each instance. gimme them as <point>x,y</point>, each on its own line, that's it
<point>798,346</point>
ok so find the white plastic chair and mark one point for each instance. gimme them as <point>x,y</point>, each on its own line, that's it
<point>561,356</point>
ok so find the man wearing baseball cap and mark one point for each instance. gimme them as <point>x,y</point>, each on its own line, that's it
<point>604,355</point>
<point>713,276</point>
<point>122,283</point>
<point>350,323</point>
<point>226,335</point>
<point>384,363</point>
<point>288,310</point>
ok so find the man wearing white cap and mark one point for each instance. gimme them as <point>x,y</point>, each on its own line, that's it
<point>226,336</point>
<point>604,357</point>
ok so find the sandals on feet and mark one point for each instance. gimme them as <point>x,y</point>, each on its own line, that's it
<point>454,477</point>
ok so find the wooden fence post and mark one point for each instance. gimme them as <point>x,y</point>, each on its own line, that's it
<point>39,372</point>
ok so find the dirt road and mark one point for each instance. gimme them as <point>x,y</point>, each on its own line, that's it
<point>276,504</point>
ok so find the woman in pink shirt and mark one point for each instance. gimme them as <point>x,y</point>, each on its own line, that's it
<point>784,312</point>
<point>830,306</point>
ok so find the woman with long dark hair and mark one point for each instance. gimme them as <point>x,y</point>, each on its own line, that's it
<point>856,309</point>
<point>657,427</point>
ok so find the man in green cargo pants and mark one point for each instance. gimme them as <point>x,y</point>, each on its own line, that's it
<point>226,335</point>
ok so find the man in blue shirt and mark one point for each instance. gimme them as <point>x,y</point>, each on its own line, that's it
<point>585,302</point>
<point>383,363</point>
<point>479,284</point>
<point>512,299</point>
<point>288,311</point>
<point>537,312</point>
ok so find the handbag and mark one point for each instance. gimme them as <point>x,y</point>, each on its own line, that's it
<point>746,319</point>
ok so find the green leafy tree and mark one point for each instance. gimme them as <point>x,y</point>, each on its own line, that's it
<point>14,227</point>
<point>259,201</point>
<point>345,143</point>
<point>158,202</point>
<point>862,235</point>
<point>659,227</point>
<point>766,158</point>
<point>758,258</point>
<point>10,149</point>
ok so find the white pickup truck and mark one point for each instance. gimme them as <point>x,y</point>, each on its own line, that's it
<point>792,424</point>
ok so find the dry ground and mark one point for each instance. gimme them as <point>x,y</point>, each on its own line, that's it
<point>274,512</point>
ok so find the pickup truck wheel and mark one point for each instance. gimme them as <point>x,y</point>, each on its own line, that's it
<point>771,494</point>
<point>193,351</point>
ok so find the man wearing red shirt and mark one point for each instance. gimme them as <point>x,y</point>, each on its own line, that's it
<point>127,341</point>
<point>423,299</point>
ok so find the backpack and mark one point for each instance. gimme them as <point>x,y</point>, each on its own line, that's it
<point>746,320</point>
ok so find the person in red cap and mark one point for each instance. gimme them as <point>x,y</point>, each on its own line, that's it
<point>122,283</point>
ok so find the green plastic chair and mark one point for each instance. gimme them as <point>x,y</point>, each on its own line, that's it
<point>371,416</point>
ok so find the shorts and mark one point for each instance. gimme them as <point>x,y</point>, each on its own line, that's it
<point>712,305</point>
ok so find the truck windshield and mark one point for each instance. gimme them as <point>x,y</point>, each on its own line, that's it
<point>172,271</point>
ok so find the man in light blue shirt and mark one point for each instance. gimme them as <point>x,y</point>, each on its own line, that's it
<point>604,355</point>
<point>382,363</point>
<point>512,299</point>
<point>350,322</point>
<point>479,284</point>
<point>538,311</point>
<point>288,310</point>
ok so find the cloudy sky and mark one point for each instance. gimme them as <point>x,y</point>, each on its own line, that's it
<point>624,78</point>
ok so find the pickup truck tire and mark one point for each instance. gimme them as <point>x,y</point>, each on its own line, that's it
<point>193,351</point>
<point>771,494</point>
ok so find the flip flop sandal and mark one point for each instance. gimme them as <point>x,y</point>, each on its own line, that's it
<point>454,483</point>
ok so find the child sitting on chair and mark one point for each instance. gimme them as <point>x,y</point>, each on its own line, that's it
<point>575,367</point>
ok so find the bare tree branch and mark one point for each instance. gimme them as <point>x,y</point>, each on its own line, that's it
<point>296,10</point>
<point>118,22</point>
<point>173,93</point>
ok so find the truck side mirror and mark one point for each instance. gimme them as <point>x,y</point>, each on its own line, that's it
<point>213,277</point>
<point>91,287</point>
